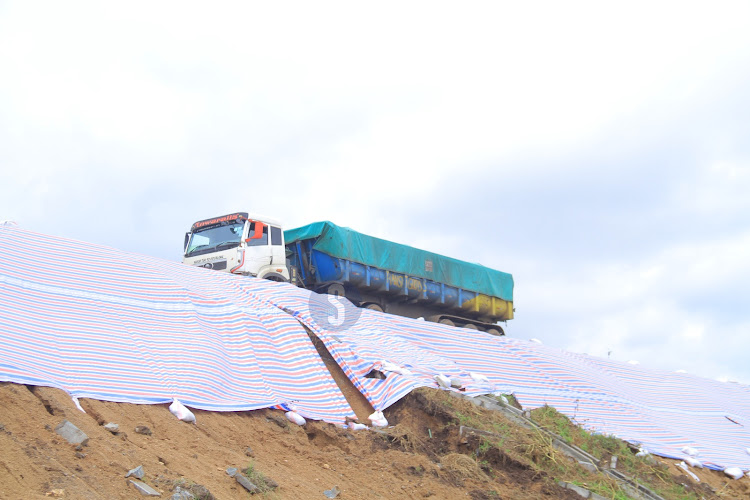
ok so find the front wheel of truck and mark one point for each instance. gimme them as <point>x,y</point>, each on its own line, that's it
<point>275,277</point>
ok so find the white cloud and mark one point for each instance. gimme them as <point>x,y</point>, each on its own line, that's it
<point>720,189</point>
<point>150,116</point>
<point>668,311</point>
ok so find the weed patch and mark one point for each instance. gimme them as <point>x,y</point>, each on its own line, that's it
<point>264,484</point>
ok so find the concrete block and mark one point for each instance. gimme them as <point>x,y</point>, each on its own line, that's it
<point>71,433</point>
<point>583,492</point>
<point>180,494</point>
<point>588,466</point>
<point>333,492</point>
<point>144,489</point>
<point>246,483</point>
<point>137,473</point>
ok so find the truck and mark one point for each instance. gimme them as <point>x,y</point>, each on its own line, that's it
<point>370,272</point>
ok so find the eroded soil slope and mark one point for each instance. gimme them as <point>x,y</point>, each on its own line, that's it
<point>422,455</point>
<point>304,461</point>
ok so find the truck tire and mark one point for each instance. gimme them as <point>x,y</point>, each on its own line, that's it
<point>471,326</point>
<point>374,307</point>
<point>446,321</point>
<point>275,277</point>
<point>336,289</point>
<point>498,332</point>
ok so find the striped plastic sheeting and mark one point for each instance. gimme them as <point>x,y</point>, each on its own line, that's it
<point>661,411</point>
<point>372,339</point>
<point>116,326</point>
<point>357,344</point>
<point>122,327</point>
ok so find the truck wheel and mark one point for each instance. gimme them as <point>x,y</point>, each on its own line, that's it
<point>275,277</point>
<point>374,307</point>
<point>336,289</point>
<point>498,332</point>
<point>446,321</point>
<point>471,326</point>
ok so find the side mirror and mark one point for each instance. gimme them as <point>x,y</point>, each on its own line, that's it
<point>184,245</point>
<point>258,234</point>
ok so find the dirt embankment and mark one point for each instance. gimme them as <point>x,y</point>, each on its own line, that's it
<point>421,456</point>
<point>304,461</point>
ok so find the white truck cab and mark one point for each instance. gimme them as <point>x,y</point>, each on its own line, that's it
<point>238,243</point>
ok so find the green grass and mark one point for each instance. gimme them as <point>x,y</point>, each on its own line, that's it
<point>510,398</point>
<point>257,478</point>
<point>464,419</point>
<point>484,446</point>
<point>535,450</point>
<point>654,476</point>
<point>604,489</point>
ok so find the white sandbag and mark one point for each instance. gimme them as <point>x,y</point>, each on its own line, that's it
<point>478,377</point>
<point>733,472</point>
<point>392,367</point>
<point>378,419</point>
<point>179,411</point>
<point>684,467</point>
<point>687,450</point>
<point>692,462</point>
<point>378,415</point>
<point>357,427</point>
<point>642,452</point>
<point>295,418</point>
<point>443,381</point>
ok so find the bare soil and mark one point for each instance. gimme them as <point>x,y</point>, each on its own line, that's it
<point>421,456</point>
<point>37,463</point>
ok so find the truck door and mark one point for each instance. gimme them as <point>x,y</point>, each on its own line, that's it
<point>278,249</point>
<point>257,250</point>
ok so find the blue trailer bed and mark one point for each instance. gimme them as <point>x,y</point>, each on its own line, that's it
<point>326,253</point>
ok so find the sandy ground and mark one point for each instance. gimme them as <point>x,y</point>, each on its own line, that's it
<point>305,461</point>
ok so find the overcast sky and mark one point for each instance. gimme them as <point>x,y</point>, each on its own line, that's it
<point>599,153</point>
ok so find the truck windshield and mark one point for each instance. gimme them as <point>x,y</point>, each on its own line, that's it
<point>213,239</point>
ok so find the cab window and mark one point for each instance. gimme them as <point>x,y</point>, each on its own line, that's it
<point>275,235</point>
<point>262,241</point>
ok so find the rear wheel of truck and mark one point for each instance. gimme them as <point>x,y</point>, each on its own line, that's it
<point>374,307</point>
<point>336,289</point>
<point>446,321</point>
<point>471,326</point>
<point>498,332</point>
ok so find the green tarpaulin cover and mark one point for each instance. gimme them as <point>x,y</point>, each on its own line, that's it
<point>346,243</point>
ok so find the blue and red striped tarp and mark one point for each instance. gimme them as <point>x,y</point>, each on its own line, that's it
<point>116,326</point>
